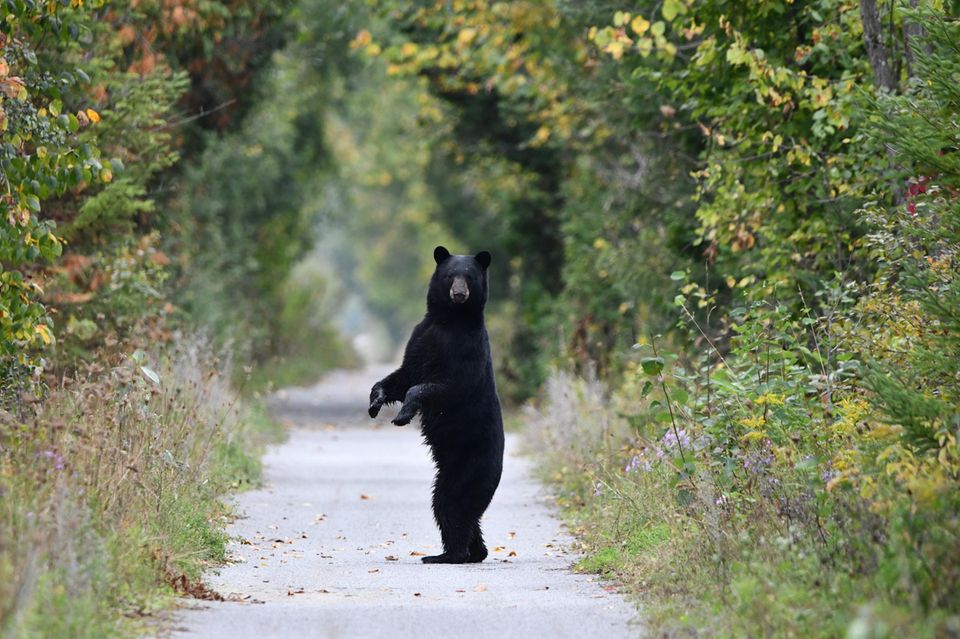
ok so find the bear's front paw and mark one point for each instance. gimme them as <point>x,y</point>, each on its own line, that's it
<point>405,415</point>
<point>377,399</point>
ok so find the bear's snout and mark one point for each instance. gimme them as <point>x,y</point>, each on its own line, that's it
<point>459,291</point>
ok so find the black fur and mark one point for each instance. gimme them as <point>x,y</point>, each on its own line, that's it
<point>447,377</point>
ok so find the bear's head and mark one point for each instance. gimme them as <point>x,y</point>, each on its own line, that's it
<point>459,283</point>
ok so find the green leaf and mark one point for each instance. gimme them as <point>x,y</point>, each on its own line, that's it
<point>678,276</point>
<point>652,366</point>
<point>150,374</point>
<point>680,395</point>
<point>33,203</point>
<point>672,8</point>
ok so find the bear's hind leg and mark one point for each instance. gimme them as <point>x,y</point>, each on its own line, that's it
<point>455,528</point>
<point>478,550</point>
<point>455,542</point>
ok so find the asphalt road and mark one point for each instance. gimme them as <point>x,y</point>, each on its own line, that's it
<point>331,546</point>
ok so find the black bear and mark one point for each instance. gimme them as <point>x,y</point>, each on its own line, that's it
<point>447,376</point>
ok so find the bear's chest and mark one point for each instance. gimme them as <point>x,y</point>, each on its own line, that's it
<point>454,351</point>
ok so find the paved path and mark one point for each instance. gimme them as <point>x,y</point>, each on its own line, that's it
<point>330,546</point>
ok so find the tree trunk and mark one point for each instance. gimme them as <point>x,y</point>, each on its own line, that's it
<point>911,32</point>
<point>876,51</point>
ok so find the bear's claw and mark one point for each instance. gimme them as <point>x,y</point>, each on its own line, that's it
<point>377,399</point>
<point>404,416</point>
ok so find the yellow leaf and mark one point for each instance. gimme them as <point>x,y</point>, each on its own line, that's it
<point>93,115</point>
<point>363,39</point>
<point>640,25</point>
<point>615,49</point>
<point>541,137</point>
<point>44,333</point>
<point>466,37</point>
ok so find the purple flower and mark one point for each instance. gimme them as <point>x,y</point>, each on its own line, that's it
<point>676,439</point>
<point>755,462</point>
<point>828,475</point>
<point>55,457</point>
<point>596,489</point>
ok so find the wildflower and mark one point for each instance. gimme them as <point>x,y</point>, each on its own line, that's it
<point>638,462</point>
<point>828,475</point>
<point>596,489</point>
<point>55,457</point>
<point>757,461</point>
<point>673,439</point>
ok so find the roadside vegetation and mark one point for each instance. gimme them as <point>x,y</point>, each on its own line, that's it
<point>145,298</point>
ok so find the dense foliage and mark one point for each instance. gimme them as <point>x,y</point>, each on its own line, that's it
<point>740,218</point>
<point>119,428</point>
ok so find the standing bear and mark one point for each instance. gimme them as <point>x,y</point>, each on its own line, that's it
<point>447,377</point>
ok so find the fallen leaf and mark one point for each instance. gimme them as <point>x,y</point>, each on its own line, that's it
<point>460,590</point>
<point>417,553</point>
<point>365,496</point>
<point>511,535</point>
<point>480,588</point>
<point>498,549</point>
<point>391,558</point>
<point>512,553</point>
<point>373,570</point>
<point>291,593</point>
<point>416,594</point>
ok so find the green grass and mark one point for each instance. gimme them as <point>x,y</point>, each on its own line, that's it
<point>616,558</point>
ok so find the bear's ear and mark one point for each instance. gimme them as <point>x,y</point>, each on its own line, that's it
<point>440,254</point>
<point>483,257</point>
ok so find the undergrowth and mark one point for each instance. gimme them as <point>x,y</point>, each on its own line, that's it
<point>110,492</point>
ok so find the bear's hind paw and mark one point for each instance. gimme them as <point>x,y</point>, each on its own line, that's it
<point>447,558</point>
